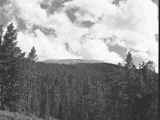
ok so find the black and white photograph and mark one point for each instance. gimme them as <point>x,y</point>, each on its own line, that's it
<point>79,60</point>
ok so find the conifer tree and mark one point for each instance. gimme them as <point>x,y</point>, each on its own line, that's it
<point>32,54</point>
<point>1,33</point>
<point>129,61</point>
<point>129,85</point>
<point>10,55</point>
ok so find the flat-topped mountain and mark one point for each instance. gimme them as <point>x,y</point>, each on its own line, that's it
<point>72,61</point>
<point>85,90</point>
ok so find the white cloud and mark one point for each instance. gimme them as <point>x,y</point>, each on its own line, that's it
<point>46,49</point>
<point>134,23</point>
<point>97,49</point>
<point>31,11</point>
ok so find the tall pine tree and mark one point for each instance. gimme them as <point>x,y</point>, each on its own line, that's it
<point>1,32</point>
<point>10,55</point>
<point>129,61</point>
<point>129,86</point>
<point>32,54</point>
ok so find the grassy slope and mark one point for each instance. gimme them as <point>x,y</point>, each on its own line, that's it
<point>5,115</point>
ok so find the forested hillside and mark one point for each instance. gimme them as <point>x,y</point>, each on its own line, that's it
<point>81,91</point>
<point>87,91</point>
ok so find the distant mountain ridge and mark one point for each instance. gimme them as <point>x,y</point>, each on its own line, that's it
<point>72,61</point>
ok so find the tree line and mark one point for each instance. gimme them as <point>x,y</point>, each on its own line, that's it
<point>74,92</point>
<point>10,56</point>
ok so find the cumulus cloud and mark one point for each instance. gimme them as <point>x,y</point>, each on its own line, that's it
<point>88,29</point>
<point>134,23</point>
<point>46,48</point>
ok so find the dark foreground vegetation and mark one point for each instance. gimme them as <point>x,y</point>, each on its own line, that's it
<point>84,91</point>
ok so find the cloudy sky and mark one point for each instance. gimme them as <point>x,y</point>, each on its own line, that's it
<point>85,29</point>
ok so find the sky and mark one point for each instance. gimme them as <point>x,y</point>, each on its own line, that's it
<point>85,29</point>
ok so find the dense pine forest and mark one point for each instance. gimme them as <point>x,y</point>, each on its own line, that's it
<point>82,91</point>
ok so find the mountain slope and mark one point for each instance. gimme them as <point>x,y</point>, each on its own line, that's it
<point>85,91</point>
